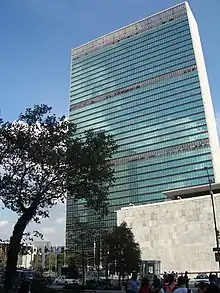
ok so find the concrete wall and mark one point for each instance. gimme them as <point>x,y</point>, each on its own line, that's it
<point>178,233</point>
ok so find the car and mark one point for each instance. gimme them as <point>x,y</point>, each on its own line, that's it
<point>201,278</point>
<point>20,277</point>
<point>64,280</point>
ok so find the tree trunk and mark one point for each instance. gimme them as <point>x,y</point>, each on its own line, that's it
<point>14,248</point>
<point>106,275</point>
<point>119,279</point>
<point>83,264</point>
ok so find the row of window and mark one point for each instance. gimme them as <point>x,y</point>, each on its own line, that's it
<point>148,106</point>
<point>147,134</point>
<point>174,158</point>
<point>143,75</point>
<point>156,197</point>
<point>122,74</point>
<point>140,167</point>
<point>106,222</point>
<point>164,184</point>
<point>91,219</point>
<point>114,44</point>
<point>142,198</point>
<point>144,115</point>
<point>149,195</point>
<point>91,73</point>
<point>138,179</point>
<point>137,100</point>
<point>123,46</point>
<point>119,71</point>
<point>159,137</point>
<point>132,87</point>
<point>128,125</point>
<point>153,144</point>
<point>138,78</point>
<point>84,211</point>
<point>106,78</point>
<point>161,129</point>
<point>172,85</point>
<point>148,25</point>
<point>174,152</point>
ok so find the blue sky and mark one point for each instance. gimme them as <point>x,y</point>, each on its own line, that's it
<point>36,41</point>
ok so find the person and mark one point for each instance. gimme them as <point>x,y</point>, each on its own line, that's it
<point>25,287</point>
<point>212,286</point>
<point>145,286</point>
<point>171,284</point>
<point>202,288</point>
<point>181,286</point>
<point>165,278</point>
<point>156,286</point>
<point>132,286</point>
<point>186,279</point>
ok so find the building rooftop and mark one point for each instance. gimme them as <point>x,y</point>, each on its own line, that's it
<point>129,30</point>
<point>177,194</point>
<point>192,191</point>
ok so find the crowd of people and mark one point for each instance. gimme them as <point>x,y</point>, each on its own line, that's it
<point>170,283</point>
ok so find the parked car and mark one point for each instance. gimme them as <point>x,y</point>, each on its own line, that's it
<point>20,277</point>
<point>63,280</point>
<point>201,278</point>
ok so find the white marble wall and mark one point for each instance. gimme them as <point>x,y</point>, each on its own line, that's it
<point>179,233</point>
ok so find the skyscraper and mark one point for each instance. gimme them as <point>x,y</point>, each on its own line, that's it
<point>147,85</point>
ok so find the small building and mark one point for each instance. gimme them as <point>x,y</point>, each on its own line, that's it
<point>179,232</point>
<point>25,256</point>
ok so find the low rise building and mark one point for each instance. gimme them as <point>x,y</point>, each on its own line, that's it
<point>179,232</point>
<point>25,256</point>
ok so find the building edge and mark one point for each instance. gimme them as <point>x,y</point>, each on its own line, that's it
<point>112,34</point>
<point>206,94</point>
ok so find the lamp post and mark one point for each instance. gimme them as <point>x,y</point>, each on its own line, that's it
<point>213,211</point>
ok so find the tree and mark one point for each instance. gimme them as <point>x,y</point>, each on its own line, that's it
<point>60,260</point>
<point>41,159</point>
<point>73,260</point>
<point>121,252</point>
<point>83,236</point>
<point>36,263</point>
<point>50,262</point>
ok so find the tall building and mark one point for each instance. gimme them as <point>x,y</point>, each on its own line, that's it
<point>146,84</point>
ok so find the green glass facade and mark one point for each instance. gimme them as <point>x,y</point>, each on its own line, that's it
<point>141,84</point>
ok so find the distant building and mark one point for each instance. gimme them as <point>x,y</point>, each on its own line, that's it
<point>25,256</point>
<point>146,84</point>
<point>43,255</point>
<point>36,255</point>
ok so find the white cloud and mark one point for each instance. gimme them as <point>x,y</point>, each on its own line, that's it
<point>4,224</point>
<point>60,220</point>
<point>5,229</point>
<point>52,231</point>
<point>48,230</point>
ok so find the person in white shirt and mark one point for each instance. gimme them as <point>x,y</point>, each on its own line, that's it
<point>181,286</point>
